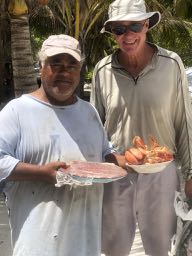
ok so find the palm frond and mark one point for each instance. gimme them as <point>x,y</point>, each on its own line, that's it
<point>77,19</point>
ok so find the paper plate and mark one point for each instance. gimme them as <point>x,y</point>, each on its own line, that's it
<point>149,168</point>
<point>95,180</point>
<point>73,180</point>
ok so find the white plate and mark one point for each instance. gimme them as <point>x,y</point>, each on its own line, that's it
<point>87,173</point>
<point>73,180</point>
<point>149,168</point>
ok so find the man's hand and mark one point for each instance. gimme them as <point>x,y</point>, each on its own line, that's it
<point>118,160</point>
<point>31,172</point>
<point>49,171</point>
<point>188,188</point>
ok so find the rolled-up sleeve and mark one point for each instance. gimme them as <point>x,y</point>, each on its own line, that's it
<point>183,124</point>
<point>9,139</point>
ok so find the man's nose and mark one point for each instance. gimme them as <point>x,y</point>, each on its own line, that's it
<point>62,69</point>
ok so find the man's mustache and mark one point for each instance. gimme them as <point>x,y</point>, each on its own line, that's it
<point>62,79</point>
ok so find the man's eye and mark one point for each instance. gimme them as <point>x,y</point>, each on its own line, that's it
<point>72,67</point>
<point>61,66</point>
<point>55,64</point>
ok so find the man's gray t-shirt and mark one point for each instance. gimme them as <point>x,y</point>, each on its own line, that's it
<point>46,220</point>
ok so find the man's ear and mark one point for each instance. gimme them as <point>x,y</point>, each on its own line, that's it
<point>147,23</point>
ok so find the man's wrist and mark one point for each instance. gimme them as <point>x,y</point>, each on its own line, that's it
<point>189,175</point>
<point>127,167</point>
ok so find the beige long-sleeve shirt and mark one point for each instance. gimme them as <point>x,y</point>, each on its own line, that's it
<point>155,103</point>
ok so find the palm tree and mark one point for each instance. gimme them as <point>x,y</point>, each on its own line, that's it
<point>1,54</point>
<point>23,71</point>
<point>175,26</point>
<point>4,48</point>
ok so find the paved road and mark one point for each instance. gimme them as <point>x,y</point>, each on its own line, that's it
<point>5,243</point>
<point>137,248</point>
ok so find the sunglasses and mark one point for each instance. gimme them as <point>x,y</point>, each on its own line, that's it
<point>122,29</point>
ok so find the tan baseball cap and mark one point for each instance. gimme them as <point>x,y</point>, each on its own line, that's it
<point>57,44</point>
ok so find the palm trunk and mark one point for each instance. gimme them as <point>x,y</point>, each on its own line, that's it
<point>23,71</point>
<point>2,6</point>
<point>1,67</point>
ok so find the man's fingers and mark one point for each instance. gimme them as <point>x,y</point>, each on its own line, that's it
<point>62,165</point>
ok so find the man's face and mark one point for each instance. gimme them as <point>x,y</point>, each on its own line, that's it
<point>60,76</point>
<point>134,36</point>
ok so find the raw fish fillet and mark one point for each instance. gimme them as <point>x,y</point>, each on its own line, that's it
<point>95,170</point>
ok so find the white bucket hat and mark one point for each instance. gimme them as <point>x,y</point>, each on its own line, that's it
<point>57,44</point>
<point>130,10</point>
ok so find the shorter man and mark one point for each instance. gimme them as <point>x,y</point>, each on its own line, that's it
<point>36,130</point>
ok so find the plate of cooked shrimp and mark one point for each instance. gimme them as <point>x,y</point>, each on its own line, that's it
<point>148,158</point>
